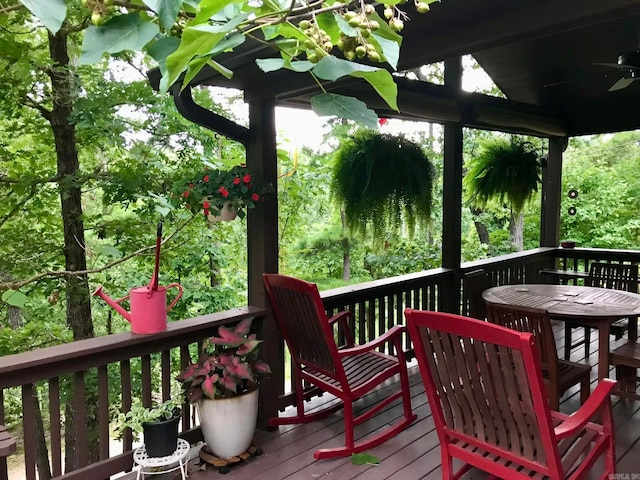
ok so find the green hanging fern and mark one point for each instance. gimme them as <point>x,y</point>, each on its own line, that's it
<point>381,180</point>
<point>505,170</point>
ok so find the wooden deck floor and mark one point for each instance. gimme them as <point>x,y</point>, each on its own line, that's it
<point>413,454</point>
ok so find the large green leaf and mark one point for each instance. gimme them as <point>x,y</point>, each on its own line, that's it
<point>390,49</point>
<point>196,41</point>
<point>272,64</point>
<point>328,104</point>
<point>382,82</point>
<point>50,12</point>
<point>327,22</point>
<point>332,68</point>
<point>123,32</point>
<point>14,298</point>
<point>167,10</point>
<point>208,8</point>
<point>160,50</point>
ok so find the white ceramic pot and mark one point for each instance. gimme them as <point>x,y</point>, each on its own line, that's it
<point>228,424</point>
<point>228,212</point>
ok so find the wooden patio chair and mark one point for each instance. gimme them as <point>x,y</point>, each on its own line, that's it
<point>348,372</point>
<point>486,392</point>
<point>559,375</point>
<point>475,283</point>
<point>7,442</point>
<point>617,276</point>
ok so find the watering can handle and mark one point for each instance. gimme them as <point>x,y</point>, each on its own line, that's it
<point>175,300</point>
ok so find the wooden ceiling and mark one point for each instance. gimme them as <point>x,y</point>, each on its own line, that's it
<point>542,54</point>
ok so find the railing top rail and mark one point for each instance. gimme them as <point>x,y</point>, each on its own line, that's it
<point>374,286</point>
<point>511,257</point>
<point>28,367</point>
<point>599,252</point>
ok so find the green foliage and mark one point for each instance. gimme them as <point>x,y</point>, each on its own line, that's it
<point>503,169</point>
<point>401,256</point>
<point>138,415</point>
<point>381,180</point>
<point>183,37</point>
<point>605,173</point>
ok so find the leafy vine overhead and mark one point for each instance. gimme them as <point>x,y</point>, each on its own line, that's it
<point>327,39</point>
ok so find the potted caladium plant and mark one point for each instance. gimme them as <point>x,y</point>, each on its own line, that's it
<point>223,384</point>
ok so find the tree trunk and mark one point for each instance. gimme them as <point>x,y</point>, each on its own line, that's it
<point>42,454</point>
<point>64,94</point>
<point>481,228</point>
<point>516,228</point>
<point>14,314</point>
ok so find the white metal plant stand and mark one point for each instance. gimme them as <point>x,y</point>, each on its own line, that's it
<point>146,465</point>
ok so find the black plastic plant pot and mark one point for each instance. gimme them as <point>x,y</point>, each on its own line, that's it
<point>161,438</point>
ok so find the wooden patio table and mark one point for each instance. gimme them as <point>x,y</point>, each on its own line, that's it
<point>593,306</point>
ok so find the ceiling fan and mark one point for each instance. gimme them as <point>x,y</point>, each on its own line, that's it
<point>629,65</point>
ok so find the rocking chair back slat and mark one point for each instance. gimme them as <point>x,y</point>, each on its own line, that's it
<point>302,324</point>
<point>473,377</point>
<point>486,391</point>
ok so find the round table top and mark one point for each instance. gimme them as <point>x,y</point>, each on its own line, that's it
<point>567,300</point>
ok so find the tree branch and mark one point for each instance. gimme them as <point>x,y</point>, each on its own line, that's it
<point>14,285</point>
<point>30,102</point>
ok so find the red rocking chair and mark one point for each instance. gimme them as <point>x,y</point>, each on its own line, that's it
<point>348,372</point>
<point>486,392</point>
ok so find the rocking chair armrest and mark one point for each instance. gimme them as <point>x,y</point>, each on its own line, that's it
<point>391,335</point>
<point>599,398</point>
<point>342,318</point>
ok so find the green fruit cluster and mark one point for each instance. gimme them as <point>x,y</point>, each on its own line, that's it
<point>317,43</point>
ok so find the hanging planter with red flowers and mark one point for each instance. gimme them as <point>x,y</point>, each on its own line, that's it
<point>221,194</point>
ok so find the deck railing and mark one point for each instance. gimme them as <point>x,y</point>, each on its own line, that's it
<point>78,378</point>
<point>144,365</point>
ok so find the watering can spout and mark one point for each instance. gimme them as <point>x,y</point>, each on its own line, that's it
<point>114,303</point>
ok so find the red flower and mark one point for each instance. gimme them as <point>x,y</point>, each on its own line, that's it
<point>191,185</point>
<point>246,178</point>
<point>186,193</point>
<point>205,204</point>
<point>255,197</point>
<point>205,179</point>
<point>236,181</point>
<point>224,192</point>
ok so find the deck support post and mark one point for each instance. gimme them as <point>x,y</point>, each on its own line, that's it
<point>262,246</point>
<point>552,193</point>
<point>452,196</point>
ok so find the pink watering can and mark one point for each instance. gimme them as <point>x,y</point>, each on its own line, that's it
<point>148,304</point>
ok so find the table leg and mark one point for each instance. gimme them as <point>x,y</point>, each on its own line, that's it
<point>603,350</point>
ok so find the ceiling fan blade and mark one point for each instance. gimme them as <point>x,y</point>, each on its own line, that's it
<point>619,66</point>
<point>622,83</point>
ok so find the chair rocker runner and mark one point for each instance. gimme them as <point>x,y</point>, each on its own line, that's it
<point>348,372</point>
<point>486,392</point>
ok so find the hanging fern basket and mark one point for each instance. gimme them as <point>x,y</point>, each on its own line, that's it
<point>505,169</point>
<point>382,181</point>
